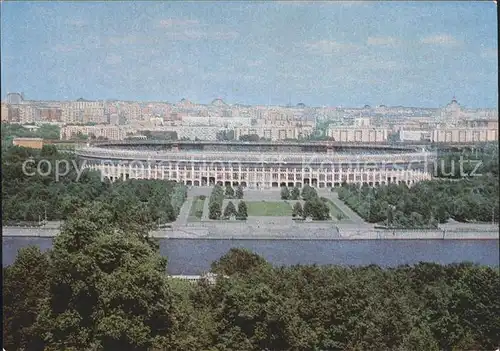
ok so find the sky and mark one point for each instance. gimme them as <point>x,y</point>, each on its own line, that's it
<point>417,54</point>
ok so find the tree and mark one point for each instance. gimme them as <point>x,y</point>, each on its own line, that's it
<point>297,210</point>
<point>417,220</point>
<point>308,192</point>
<point>390,219</point>
<point>229,192</point>
<point>25,288</point>
<point>238,261</point>
<point>285,193</point>
<point>48,150</point>
<point>249,137</point>
<point>214,210</point>
<point>295,193</point>
<point>109,293</point>
<point>316,209</point>
<point>242,210</point>
<point>230,210</point>
<point>239,192</point>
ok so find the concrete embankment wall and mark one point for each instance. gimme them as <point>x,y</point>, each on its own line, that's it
<point>308,232</point>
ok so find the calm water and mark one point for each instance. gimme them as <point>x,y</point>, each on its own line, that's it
<point>194,256</point>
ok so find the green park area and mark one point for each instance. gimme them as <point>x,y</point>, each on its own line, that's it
<point>196,211</point>
<point>335,212</point>
<point>269,208</point>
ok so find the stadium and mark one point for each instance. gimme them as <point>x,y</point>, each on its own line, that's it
<point>258,164</point>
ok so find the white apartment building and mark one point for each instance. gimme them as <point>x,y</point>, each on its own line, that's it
<point>274,132</point>
<point>28,113</point>
<point>362,122</point>
<point>229,122</point>
<point>463,135</point>
<point>4,112</point>
<point>105,131</point>
<point>291,123</point>
<point>414,135</point>
<point>359,135</point>
<point>83,112</point>
<point>193,132</point>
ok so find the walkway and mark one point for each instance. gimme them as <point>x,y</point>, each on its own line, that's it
<point>204,216</point>
<point>353,216</point>
<point>182,218</point>
<point>330,231</point>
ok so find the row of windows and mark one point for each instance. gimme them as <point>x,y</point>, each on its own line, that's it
<point>263,170</point>
<point>235,176</point>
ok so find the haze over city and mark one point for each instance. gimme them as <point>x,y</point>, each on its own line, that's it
<point>329,53</point>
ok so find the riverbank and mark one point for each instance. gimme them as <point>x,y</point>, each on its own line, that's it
<point>241,231</point>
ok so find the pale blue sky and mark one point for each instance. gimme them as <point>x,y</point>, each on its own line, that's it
<point>318,53</point>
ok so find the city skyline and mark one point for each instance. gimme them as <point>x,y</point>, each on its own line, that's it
<point>320,54</point>
<point>228,104</point>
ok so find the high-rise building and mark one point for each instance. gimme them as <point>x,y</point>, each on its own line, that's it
<point>82,111</point>
<point>15,98</point>
<point>5,112</point>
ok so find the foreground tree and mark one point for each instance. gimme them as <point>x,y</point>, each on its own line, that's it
<point>25,288</point>
<point>295,193</point>
<point>108,291</point>
<point>238,261</point>
<point>105,289</point>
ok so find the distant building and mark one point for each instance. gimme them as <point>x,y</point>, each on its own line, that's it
<point>5,113</point>
<point>228,122</point>
<point>82,111</point>
<point>14,113</point>
<point>33,143</point>
<point>15,98</point>
<point>358,135</point>
<point>463,135</point>
<point>219,103</point>
<point>49,114</point>
<point>362,122</point>
<point>455,112</point>
<point>275,131</point>
<point>193,132</point>
<point>103,131</point>
<point>414,135</point>
<point>114,119</point>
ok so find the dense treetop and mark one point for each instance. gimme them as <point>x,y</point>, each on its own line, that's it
<point>45,131</point>
<point>31,197</point>
<point>471,195</point>
<point>106,289</point>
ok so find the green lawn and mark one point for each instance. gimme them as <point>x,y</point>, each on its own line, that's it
<point>335,211</point>
<point>268,208</point>
<point>196,210</point>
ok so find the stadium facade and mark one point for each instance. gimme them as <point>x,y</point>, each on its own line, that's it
<point>259,165</point>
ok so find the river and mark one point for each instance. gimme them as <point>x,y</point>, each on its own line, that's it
<point>187,256</point>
